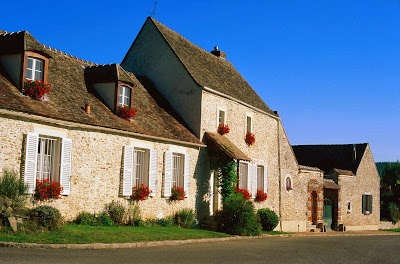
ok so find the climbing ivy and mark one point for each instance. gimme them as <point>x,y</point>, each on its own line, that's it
<point>227,177</point>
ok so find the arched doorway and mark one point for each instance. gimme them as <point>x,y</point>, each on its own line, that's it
<point>314,207</point>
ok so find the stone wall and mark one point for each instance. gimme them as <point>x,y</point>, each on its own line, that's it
<point>388,225</point>
<point>96,168</point>
<point>351,190</point>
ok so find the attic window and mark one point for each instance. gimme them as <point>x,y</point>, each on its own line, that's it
<point>124,98</point>
<point>34,69</point>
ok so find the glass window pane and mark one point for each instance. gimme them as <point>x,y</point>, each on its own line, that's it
<point>30,63</point>
<point>39,76</point>
<point>126,101</point>
<point>39,65</point>
<point>120,100</point>
<point>29,74</point>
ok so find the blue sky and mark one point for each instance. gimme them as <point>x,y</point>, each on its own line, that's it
<point>330,68</point>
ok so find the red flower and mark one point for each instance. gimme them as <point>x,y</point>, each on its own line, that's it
<point>223,129</point>
<point>177,194</point>
<point>36,89</point>
<point>140,193</point>
<point>126,113</point>
<point>261,196</point>
<point>46,190</point>
<point>244,192</point>
<point>250,138</point>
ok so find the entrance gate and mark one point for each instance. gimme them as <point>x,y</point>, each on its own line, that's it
<point>327,217</point>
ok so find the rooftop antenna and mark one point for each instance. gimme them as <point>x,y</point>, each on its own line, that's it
<point>153,13</point>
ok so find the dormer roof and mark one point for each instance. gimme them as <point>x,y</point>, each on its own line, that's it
<point>108,73</point>
<point>18,42</point>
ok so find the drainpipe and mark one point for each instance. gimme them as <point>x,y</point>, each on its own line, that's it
<point>280,177</point>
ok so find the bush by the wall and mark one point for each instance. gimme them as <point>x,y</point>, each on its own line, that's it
<point>133,215</point>
<point>86,218</point>
<point>13,188</point>
<point>185,218</point>
<point>238,217</point>
<point>116,211</point>
<point>104,220</point>
<point>46,217</point>
<point>269,219</point>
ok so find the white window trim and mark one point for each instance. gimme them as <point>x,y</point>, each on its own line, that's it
<point>178,150</point>
<point>139,144</point>
<point>33,69</point>
<point>221,108</point>
<point>46,131</point>
<point>122,92</point>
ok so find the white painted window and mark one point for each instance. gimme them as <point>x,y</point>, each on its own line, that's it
<point>124,98</point>
<point>221,117</point>
<point>34,69</point>
<point>177,172</point>
<point>140,167</point>
<point>260,178</point>
<point>243,175</point>
<point>48,158</point>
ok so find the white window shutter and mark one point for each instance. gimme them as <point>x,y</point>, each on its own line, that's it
<point>32,144</point>
<point>128,171</point>
<point>168,174</point>
<point>65,166</point>
<point>186,175</point>
<point>254,180</point>
<point>265,179</point>
<point>153,172</point>
<point>249,177</point>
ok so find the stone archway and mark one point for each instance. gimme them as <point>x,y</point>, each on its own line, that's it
<point>315,201</point>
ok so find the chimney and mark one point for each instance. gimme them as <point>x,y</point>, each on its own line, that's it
<point>87,108</point>
<point>354,152</point>
<point>218,53</point>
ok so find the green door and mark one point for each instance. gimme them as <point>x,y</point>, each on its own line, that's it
<point>327,213</point>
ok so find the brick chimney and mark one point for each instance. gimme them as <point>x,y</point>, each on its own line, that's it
<point>218,53</point>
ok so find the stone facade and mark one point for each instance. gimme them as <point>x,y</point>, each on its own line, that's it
<point>96,167</point>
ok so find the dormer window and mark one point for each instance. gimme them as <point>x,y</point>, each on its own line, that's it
<point>124,97</point>
<point>34,69</point>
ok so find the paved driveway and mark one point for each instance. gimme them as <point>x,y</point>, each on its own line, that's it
<point>333,249</point>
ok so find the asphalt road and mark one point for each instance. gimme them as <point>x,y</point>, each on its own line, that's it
<point>349,249</point>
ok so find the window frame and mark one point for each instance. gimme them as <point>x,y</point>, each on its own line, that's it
<point>366,203</point>
<point>34,55</point>
<point>55,158</point>
<point>144,178</point>
<point>249,116</point>
<point>168,171</point>
<point>221,109</point>
<point>243,182</point>
<point>118,88</point>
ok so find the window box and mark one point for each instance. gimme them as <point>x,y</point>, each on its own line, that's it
<point>223,129</point>
<point>140,193</point>
<point>47,191</point>
<point>126,113</point>
<point>245,193</point>
<point>36,89</point>
<point>250,138</point>
<point>177,194</point>
<point>261,196</point>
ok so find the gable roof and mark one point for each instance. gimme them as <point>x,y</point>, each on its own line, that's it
<point>210,71</point>
<point>328,157</point>
<point>70,93</point>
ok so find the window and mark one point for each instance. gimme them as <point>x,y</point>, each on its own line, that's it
<point>288,184</point>
<point>47,157</point>
<point>243,175</point>
<point>140,167</point>
<point>34,69</point>
<point>260,178</point>
<point>124,98</point>
<point>221,117</point>
<point>367,203</point>
<point>177,171</point>
<point>248,124</point>
<point>348,207</point>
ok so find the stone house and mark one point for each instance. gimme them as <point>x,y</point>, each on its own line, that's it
<point>74,136</point>
<point>354,202</point>
<point>207,91</point>
<point>183,95</point>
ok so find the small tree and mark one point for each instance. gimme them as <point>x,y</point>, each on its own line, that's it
<point>13,188</point>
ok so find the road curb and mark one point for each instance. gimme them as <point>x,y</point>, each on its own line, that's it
<point>181,242</point>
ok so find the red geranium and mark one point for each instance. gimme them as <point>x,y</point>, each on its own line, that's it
<point>46,190</point>
<point>223,129</point>
<point>261,196</point>
<point>250,138</point>
<point>177,194</point>
<point>36,89</point>
<point>245,193</point>
<point>140,193</point>
<point>126,113</point>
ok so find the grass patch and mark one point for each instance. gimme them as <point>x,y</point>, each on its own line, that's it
<point>82,234</point>
<point>392,230</point>
<point>274,233</point>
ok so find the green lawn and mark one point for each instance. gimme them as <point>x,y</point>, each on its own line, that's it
<point>393,230</point>
<point>274,233</point>
<point>81,234</point>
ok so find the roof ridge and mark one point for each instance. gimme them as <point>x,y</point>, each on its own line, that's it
<point>67,54</point>
<point>5,33</point>
<point>345,144</point>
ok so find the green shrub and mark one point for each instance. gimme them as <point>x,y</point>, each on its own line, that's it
<point>116,211</point>
<point>394,213</point>
<point>269,219</point>
<point>133,215</point>
<point>86,218</point>
<point>13,188</point>
<point>185,218</point>
<point>238,217</point>
<point>166,221</point>
<point>46,217</point>
<point>104,220</point>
